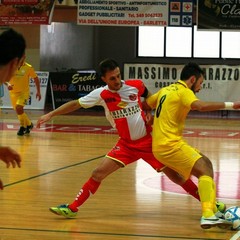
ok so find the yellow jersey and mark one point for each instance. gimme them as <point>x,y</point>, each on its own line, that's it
<point>20,81</point>
<point>171,104</point>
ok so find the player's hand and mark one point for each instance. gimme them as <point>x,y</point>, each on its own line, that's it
<point>149,118</point>
<point>43,119</point>
<point>10,157</point>
<point>38,96</point>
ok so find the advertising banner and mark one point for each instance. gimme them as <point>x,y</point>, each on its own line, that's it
<point>26,12</point>
<point>135,12</point>
<point>67,86</point>
<point>33,103</point>
<point>218,15</point>
<point>128,13</point>
<point>222,83</point>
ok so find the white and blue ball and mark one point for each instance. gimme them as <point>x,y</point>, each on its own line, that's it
<point>232,214</point>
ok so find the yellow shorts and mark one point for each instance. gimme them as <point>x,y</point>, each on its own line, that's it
<point>19,98</point>
<point>181,159</point>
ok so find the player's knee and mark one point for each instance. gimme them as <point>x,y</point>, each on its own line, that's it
<point>19,109</point>
<point>174,176</point>
<point>208,164</point>
<point>203,167</point>
<point>97,175</point>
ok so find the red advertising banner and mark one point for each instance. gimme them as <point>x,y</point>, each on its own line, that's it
<point>20,2</point>
<point>26,12</point>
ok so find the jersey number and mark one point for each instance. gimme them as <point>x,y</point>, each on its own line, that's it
<point>159,108</point>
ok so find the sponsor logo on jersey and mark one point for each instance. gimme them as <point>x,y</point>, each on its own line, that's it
<point>125,112</point>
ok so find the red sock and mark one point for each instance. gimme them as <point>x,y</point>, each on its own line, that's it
<point>90,187</point>
<point>190,187</point>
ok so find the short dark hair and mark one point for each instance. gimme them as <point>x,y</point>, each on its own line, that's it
<point>12,45</point>
<point>191,69</point>
<point>107,65</point>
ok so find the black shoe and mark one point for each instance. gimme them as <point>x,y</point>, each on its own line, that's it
<point>21,131</point>
<point>29,128</point>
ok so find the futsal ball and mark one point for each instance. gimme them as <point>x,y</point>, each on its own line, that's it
<point>232,214</point>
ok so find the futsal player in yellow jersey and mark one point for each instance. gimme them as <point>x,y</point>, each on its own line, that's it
<point>19,91</point>
<point>172,105</point>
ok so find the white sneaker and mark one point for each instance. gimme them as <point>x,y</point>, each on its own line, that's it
<point>219,214</point>
<point>214,221</point>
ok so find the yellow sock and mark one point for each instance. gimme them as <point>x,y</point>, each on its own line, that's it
<point>27,121</point>
<point>207,193</point>
<point>24,120</point>
<point>214,198</point>
<point>21,120</point>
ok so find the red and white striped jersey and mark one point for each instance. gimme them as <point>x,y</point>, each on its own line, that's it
<point>123,108</point>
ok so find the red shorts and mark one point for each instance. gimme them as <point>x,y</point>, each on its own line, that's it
<point>126,152</point>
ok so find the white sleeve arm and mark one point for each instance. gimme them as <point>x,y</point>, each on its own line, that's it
<point>91,99</point>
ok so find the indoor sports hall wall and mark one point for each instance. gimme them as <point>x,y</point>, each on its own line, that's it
<point>66,45</point>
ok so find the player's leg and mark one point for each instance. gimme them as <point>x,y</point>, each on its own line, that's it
<point>105,168</point>
<point>118,157</point>
<point>203,170</point>
<point>145,152</point>
<point>188,185</point>
<point>186,161</point>
<point>16,104</point>
<point>20,101</point>
<point>21,118</point>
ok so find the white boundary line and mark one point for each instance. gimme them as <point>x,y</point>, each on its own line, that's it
<point>236,236</point>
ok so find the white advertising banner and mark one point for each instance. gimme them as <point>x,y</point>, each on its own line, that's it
<point>33,103</point>
<point>222,82</point>
<point>123,13</point>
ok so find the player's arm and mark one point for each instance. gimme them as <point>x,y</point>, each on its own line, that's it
<point>37,84</point>
<point>64,109</point>
<point>146,94</point>
<point>146,108</point>
<point>202,106</point>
